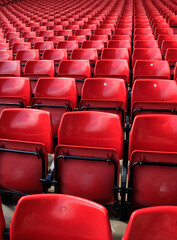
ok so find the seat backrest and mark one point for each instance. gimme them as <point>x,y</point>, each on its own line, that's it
<point>9,68</point>
<point>142,219</point>
<point>146,54</point>
<point>86,32</point>
<point>5,55</point>
<point>145,44</point>
<point>26,55</point>
<point>98,44</point>
<point>43,45</point>
<point>4,46</point>
<point>95,134</point>
<point>168,44</point>
<point>56,88</point>
<point>18,124</point>
<point>85,54</point>
<point>21,46</point>
<point>120,44</point>
<point>153,94</point>
<point>93,218</point>
<point>77,68</point>
<point>55,54</point>
<point>115,53</point>
<point>144,37</point>
<point>15,87</point>
<point>69,45</point>
<point>112,68</point>
<point>151,69</point>
<point>143,31</point>
<point>44,67</point>
<point>162,37</point>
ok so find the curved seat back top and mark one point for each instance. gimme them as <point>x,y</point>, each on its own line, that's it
<point>56,95</point>
<point>87,146</point>
<point>154,95</point>
<point>6,55</point>
<point>93,220</point>
<point>104,94</point>
<point>153,160</point>
<point>144,69</point>
<point>10,69</point>
<point>26,138</point>
<point>142,219</point>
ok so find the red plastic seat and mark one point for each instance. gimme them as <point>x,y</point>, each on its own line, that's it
<point>55,54</point>
<point>26,137</point>
<point>46,34</point>
<point>34,40</point>
<point>26,55</point>
<point>56,95</point>
<point>69,45</point>
<point>115,53</point>
<point>103,38</point>
<point>6,55</point>
<point>21,46</point>
<point>4,46</point>
<point>142,219</point>
<point>27,35</point>
<point>106,31</point>
<point>42,46</point>
<point>171,57</point>
<point>79,39</point>
<point>146,54</point>
<point>123,31</point>
<point>167,31</point>
<point>86,32</point>
<point>120,44</point>
<point>121,37</point>
<point>14,92</point>
<point>162,37</point>
<point>152,152</point>
<point>78,69</point>
<point>151,69</point>
<point>11,35</point>
<point>97,44</point>
<point>86,54</point>
<point>145,44</point>
<point>168,44</point>
<point>143,31</point>
<point>112,68</point>
<point>104,94</point>
<point>9,68</point>
<point>36,69</point>
<point>153,96</point>
<point>144,37</point>
<point>65,33</point>
<point>90,26</point>
<point>95,135</point>
<point>36,209</point>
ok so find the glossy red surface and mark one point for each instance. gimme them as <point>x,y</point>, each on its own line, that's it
<point>45,34</point>
<point>112,68</point>
<point>79,69</point>
<point>154,94</point>
<point>10,68</point>
<point>26,55</point>
<point>55,91</point>
<point>86,32</point>
<point>43,45</point>
<point>146,54</point>
<point>44,213</point>
<point>162,37</point>
<point>115,53</point>
<point>103,38</point>
<point>143,31</point>
<point>55,54</point>
<point>168,44</point>
<point>167,31</point>
<point>97,44</point>
<point>106,31</point>
<point>64,33</point>
<point>27,125</point>
<point>4,46</point>
<point>21,46</point>
<point>145,44</point>
<point>123,31</point>
<point>5,55</point>
<point>151,69</point>
<point>120,44</point>
<point>144,37</point>
<point>153,139</point>
<point>152,223</point>
<point>85,54</point>
<point>69,45</point>
<point>15,87</point>
<point>95,129</point>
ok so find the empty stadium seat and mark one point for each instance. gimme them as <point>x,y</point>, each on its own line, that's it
<point>104,94</point>
<point>142,219</point>
<point>94,140</point>
<point>93,220</point>
<point>9,68</point>
<point>146,54</point>
<point>97,44</point>
<point>26,55</point>
<point>78,69</point>
<point>171,57</point>
<point>120,44</point>
<point>4,46</point>
<point>24,152</point>
<point>153,96</point>
<point>56,95</point>
<point>151,69</point>
<point>69,45</point>
<point>152,152</point>
<point>20,46</point>
<point>115,53</point>
<point>36,69</point>
<point>42,46</point>
<point>168,44</point>
<point>112,68</point>
<point>6,55</point>
<point>14,92</point>
<point>162,37</point>
<point>145,44</point>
